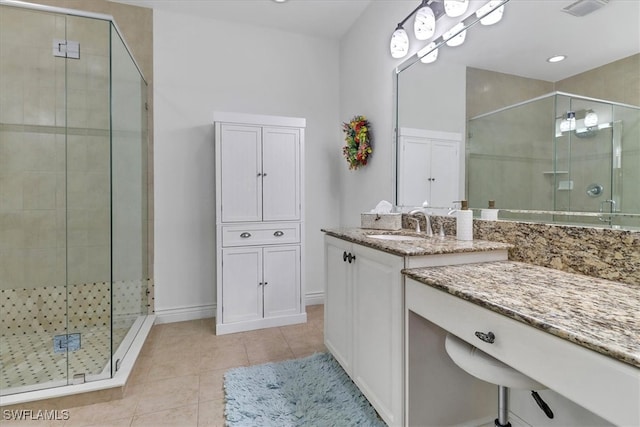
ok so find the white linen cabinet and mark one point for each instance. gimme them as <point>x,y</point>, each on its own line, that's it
<point>259,221</point>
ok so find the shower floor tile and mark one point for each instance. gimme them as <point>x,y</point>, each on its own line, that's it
<point>29,360</point>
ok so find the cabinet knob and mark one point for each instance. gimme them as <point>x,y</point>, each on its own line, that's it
<point>264,174</point>
<point>351,257</point>
<point>278,233</point>
<point>259,174</point>
<point>245,235</point>
<point>488,337</point>
<point>344,256</point>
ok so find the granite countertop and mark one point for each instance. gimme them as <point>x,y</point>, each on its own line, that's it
<point>598,314</point>
<point>429,246</point>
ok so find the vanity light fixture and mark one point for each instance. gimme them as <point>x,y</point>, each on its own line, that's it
<point>455,8</point>
<point>399,43</point>
<point>424,27</point>
<point>490,18</point>
<point>556,58</point>
<point>456,35</point>
<point>424,24</point>
<point>429,53</point>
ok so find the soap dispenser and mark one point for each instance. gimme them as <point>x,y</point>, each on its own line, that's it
<point>464,222</point>
<point>491,213</point>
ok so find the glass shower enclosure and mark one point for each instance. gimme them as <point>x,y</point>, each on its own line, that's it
<point>73,198</point>
<point>561,157</point>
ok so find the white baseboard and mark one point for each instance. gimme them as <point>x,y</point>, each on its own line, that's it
<point>182,314</point>
<point>314,298</point>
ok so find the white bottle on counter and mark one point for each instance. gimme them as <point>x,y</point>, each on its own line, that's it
<point>491,213</point>
<point>464,222</point>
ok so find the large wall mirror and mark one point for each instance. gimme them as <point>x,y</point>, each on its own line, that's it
<point>492,119</point>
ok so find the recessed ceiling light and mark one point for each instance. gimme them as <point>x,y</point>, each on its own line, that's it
<point>279,1</point>
<point>557,58</point>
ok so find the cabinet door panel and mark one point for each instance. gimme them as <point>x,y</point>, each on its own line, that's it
<point>282,280</point>
<point>414,171</point>
<point>241,163</point>
<point>378,325</point>
<point>444,173</point>
<point>281,166</point>
<point>241,292</point>
<point>337,307</point>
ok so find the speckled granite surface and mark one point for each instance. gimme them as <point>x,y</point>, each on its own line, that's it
<point>428,246</point>
<point>601,315</point>
<point>605,253</point>
<point>598,252</point>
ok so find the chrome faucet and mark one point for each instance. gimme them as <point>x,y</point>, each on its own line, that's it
<point>417,211</point>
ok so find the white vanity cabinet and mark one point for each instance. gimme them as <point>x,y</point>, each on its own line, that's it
<point>364,321</point>
<point>259,221</point>
<point>428,165</point>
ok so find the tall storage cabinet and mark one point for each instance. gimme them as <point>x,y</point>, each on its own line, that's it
<point>259,221</point>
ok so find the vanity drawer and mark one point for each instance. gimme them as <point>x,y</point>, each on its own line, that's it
<point>260,234</point>
<point>606,386</point>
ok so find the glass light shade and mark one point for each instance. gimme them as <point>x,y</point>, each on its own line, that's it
<point>457,40</point>
<point>399,43</point>
<point>428,54</point>
<point>424,25</point>
<point>488,13</point>
<point>590,119</point>
<point>455,8</point>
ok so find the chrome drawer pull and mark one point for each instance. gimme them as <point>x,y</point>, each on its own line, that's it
<point>489,337</point>
<point>245,235</point>
<point>278,233</point>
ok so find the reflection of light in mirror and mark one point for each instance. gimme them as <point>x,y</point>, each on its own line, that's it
<point>424,26</point>
<point>399,43</point>
<point>458,39</point>
<point>494,17</point>
<point>428,54</point>
<point>590,119</point>
<point>455,8</point>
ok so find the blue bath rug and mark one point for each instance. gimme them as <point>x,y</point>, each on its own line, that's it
<point>314,391</point>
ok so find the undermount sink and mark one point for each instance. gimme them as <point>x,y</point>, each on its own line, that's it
<point>398,237</point>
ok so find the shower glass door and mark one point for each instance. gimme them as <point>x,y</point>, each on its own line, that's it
<point>584,150</point>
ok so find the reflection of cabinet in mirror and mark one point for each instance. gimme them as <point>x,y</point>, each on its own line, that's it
<point>428,165</point>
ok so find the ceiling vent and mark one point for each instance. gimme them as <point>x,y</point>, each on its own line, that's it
<point>584,7</point>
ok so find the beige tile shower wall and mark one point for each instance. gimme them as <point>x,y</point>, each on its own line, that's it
<point>136,24</point>
<point>618,81</point>
<point>32,175</point>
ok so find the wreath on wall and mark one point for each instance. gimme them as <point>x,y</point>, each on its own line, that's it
<point>358,141</point>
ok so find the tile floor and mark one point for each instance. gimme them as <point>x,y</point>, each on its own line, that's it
<point>178,378</point>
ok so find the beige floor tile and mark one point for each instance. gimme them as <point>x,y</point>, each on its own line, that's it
<point>224,358</point>
<point>101,413</point>
<point>212,385</point>
<point>268,351</point>
<point>170,366</point>
<point>211,342</point>
<point>169,393</point>
<point>184,416</point>
<point>189,327</point>
<point>124,422</point>
<point>261,335</point>
<point>211,413</point>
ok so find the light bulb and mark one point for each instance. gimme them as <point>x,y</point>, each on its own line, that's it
<point>399,43</point>
<point>455,40</point>
<point>489,14</point>
<point>455,8</point>
<point>424,25</point>
<point>591,119</point>
<point>428,54</point>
